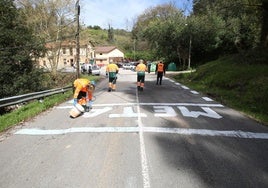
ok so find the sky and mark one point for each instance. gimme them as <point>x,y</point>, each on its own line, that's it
<point>120,14</point>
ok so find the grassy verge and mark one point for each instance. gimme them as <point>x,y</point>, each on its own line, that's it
<point>35,107</point>
<point>243,87</point>
<point>31,109</point>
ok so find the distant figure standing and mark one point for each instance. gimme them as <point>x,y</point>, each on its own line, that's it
<point>149,67</point>
<point>141,69</point>
<point>160,71</point>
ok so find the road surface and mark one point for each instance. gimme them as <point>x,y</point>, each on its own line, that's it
<point>165,136</point>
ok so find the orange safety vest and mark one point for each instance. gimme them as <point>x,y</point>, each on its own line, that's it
<point>160,67</point>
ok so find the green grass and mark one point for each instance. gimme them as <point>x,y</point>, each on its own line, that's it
<point>238,85</point>
<point>31,109</point>
<point>35,107</point>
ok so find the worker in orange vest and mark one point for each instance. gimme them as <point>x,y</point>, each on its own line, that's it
<point>141,68</point>
<point>160,71</point>
<point>111,71</point>
<point>83,92</point>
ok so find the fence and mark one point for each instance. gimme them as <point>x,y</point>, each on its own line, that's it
<point>31,96</point>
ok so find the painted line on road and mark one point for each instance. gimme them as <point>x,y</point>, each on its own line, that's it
<point>207,99</point>
<point>148,104</point>
<point>144,163</point>
<point>180,131</point>
<point>194,92</point>
<point>185,87</point>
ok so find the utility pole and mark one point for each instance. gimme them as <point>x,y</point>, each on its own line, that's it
<point>77,7</point>
<point>190,48</point>
<point>134,48</point>
<point>189,58</point>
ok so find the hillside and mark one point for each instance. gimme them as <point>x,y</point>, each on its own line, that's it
<point>238,85</point>
<point>99,37</point>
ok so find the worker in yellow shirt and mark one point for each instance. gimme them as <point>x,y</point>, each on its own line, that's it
<point>112,70</point>
<point>83,92</point>
<point>141,68</point>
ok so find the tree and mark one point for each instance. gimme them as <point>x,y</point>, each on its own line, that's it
<point>244,22</point>
<point>53,21</point>
<point>161,26</point>
<point>264,28</point>
<point>110,34</point>
<point>19,47</point>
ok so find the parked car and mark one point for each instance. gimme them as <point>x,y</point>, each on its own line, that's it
<point>95,70</point>
<point>127,66</point>
<point>85,68</point>
<point>133,66</point>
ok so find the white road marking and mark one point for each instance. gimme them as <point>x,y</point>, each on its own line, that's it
<point>164,111</point>
<point>207,99</point>
<point>208,113</point>
<point>128,112</point>
<point>144,163</point>
<point>194,92</point>
<point>148,104</point>
<point>96,112</point>
<point>180,131</point>
<point>184,87</point>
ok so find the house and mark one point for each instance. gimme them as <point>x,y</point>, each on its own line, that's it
<point>63,54</point>
<point>103,55</point>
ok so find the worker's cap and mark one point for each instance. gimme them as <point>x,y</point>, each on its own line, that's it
<point>92,82</point>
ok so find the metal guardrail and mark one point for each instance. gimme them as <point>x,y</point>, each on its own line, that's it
<point>31,96</point>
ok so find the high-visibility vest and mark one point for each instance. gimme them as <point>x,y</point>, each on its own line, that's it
<point>82,85</point>
<point>160,67</point>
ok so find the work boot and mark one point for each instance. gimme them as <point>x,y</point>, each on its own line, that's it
<point>109,89</point>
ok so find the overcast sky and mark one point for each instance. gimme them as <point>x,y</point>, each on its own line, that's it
<point>120,13</point>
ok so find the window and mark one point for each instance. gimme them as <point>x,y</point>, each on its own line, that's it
<point>72,62</point>
<point>64,50</point>
<point>71,51</point>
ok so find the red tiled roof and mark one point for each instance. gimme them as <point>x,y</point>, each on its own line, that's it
<point>104,49</point>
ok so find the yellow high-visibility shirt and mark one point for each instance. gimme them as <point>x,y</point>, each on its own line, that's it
<point>112,68</point>
<point>81,84</point>
<point>141,67</point>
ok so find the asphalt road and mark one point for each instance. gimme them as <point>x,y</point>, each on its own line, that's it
<point>166,136</point>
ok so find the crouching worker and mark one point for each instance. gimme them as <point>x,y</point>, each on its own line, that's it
<point>83,93</point>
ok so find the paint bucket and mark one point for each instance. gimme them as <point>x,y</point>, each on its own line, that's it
<point>76,111</point>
